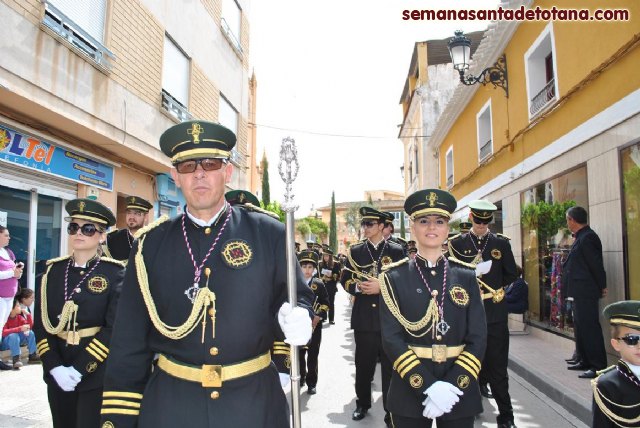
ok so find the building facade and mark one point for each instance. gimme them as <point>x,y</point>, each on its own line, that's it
<point>86,89</point>
<point>567,133</point>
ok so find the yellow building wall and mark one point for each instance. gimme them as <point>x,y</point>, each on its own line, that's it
<point>580,47</point>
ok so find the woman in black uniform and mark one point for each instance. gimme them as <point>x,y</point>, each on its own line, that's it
<point>78,294</point>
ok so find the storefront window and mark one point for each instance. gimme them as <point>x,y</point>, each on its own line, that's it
<point>545,244</point>
<point>631,196</point>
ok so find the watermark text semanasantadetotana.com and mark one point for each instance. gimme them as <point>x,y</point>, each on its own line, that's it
<point>519,14</point>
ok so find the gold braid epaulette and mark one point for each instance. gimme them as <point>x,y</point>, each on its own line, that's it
<point>150,226</point>
<point>394,264</point>
<point>600,399</point>
<point>204,298</point>
<point>257,209</point>
<point>454,237</point>
<point>57,259</point>
<point>503,236</point>
<point>460,262</point>
<point>114,261</point>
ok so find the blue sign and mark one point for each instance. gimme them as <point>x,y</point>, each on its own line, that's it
<point>29,152</point>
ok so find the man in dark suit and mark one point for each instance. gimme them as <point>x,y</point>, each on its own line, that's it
<point>584,280</point>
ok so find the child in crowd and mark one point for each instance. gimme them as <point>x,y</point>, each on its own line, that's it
<point>17,332</point>
<point>616,391</point>
<point>25,297</point>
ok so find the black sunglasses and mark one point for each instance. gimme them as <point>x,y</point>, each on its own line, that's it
<point>207,164</point>
<point>478,221</point>
<point>88,229</point>
<point>630,339</point>
<point>368,223</point>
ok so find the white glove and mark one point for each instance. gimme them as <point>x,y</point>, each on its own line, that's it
<point>483,267</point>
<point>295,324</point>
<point>62,376</point>
<point>74,374</point>
<point>285,379</point>
<point>431,411</point>
<point>444,395</point>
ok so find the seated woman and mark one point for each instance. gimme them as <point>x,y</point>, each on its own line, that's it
<point>17,332</point>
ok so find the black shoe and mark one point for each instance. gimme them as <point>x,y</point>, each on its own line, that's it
<point>580,366</point>
<point>311,390</point>
<point>387,420</point>
<point>34,358</point>
<point>509,424</point>
<point>485,391</point>
<point>332,322</point>
<point>4,366</point>
<point>573,362</point>
<point>358,413</point>
<point>589,374</point>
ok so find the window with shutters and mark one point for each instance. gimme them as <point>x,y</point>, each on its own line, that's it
<point>484,132</point>
<point>80,25</point>
<point>175,80</point>
<point>449,167</point>
<point>228,116</point>
<point>231,23</point>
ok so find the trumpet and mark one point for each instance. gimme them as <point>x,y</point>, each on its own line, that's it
<point>362,274</point>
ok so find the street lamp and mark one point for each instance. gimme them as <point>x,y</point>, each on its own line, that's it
<point>460,51</point>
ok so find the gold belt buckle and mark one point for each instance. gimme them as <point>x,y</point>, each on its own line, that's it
<point>211,376</point>
<point>439,353</point>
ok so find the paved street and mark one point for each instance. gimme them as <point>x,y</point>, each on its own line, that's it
<point>23,401</point>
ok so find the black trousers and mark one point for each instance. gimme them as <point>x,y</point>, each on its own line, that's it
<point>331,291</point>
<point>368,347</point>
<point>404,422</point>
<point>589,338</point>
<point>309,365</point>
<point>75,409</point>
<point>494,368</point>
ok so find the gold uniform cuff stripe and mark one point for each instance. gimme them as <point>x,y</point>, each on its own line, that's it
<point>408,368</point>
<point>123,403</point>
<point>473,358</point>
<point>280,343</point>
<point>120,412</point>
<point>42,352</point>
<point>42,342</point>
<point>467,368</point>
<point>469,364</point>
<point>401,357</point>
<point>281,352</point>
<point>98,351</point>
<point>122,394</point>
<point>42,346</point>
<point>100,345</point>
<point>95,355</point>
<point>406,362</point>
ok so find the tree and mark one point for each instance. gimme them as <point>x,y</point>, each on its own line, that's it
<point>333,225</point>
<point>266,197</point>
<point>402,228</point>
<point>352,217</point>
<point>275,208</point>
<point>302,227</point>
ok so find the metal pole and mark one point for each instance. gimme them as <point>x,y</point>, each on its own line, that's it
<point>288,169</point>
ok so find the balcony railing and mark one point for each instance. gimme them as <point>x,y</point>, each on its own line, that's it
<point>233,40</point>
<point>485,150</point>
<point>75,36</point>
<point>543,97</point>
<point>175,108</point>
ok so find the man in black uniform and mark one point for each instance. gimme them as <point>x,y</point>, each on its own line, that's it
<point>329,272</point>
<point>433,325</point>
<point>309,368</point>
<point>205,292</point>
<point>389,229</point>
<point>478,246</point>
<point>465,226</point>
<point>120,242</point>
<point>360,279</point>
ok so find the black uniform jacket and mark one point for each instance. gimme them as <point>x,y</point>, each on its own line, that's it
<point>249,279</point>
<point>321,299</point>
<point>119,244</point>
<point>365,314</point>
<point>330,280</point>
<point>583,274</point>
<point>463,312</point>
<point>97,302</point>
<point>618,395</point>
<point>503,267</point>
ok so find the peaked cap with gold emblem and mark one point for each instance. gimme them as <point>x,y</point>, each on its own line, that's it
<point>137,203</point>
<point>368,213</point>
<point>241,197</point>
<point>625,313</point>
<point>430,202</point>
<point>482,209</point>
<point>390,217</point>
<point>308,256</point>
<point>465,226</point>
<point>196,139</point>
<point>90,210</point>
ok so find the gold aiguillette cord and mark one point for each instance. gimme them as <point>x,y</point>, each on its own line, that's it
<point>209,301</point>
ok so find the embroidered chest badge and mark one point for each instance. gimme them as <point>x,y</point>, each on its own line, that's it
<point>416,381</point>
<point>386,260</point>
<point>463,381</point>
<point>496,254</point>
<point>97,284</point>
<point>459,296</point>
<point>237,254</point>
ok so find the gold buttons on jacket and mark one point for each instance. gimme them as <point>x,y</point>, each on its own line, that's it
<point>207,230</point>
<point>373,305</point>
<point>213,351</point>
<point>215,395</point>
<point>81,272</point>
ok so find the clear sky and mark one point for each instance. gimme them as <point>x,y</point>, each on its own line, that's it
<point>338,67</point>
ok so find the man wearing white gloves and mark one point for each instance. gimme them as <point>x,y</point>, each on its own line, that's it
<point>205,291</point>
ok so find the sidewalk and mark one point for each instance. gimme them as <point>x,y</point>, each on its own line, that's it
<point>538,357</point>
